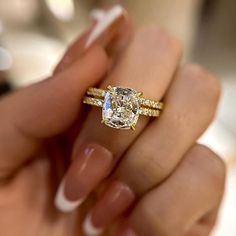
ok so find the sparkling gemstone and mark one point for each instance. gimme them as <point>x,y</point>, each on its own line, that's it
<point>121,108</point>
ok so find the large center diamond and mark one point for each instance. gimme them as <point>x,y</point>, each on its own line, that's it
<point>121,107</point>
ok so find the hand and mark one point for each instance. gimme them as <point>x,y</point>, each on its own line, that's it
<point>29,174</point>
<point>35,124</point>
<point>164,183</point>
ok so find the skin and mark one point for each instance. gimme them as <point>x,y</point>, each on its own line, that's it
<point>179,183</point>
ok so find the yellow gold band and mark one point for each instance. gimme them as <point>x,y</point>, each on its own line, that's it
<point>121,107</point>
<point>142,111</point>
<point>100,93</point>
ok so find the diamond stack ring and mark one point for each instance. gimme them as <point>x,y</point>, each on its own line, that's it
<point>121,107</point>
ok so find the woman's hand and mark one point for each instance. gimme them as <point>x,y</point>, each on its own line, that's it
<point>163,184</point>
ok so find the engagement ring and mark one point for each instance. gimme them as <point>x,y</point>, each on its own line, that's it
<point>121,107</point>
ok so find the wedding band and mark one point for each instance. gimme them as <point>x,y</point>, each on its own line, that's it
<point>121,107</point>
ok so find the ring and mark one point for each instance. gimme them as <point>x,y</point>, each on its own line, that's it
<point>121,107</point>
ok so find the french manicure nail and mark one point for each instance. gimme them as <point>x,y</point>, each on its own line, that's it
<point>103,23</point>
<point>129,232</point>
<point>89,229</point>
<point>126,231</point>
<point>116,199</point>
<point>62,203</point>
<point>91,164</point>
<point>97,14</point>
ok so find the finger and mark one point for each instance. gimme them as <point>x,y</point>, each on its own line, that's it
<point>45,109</point>
<point>112,25</point>
<point>158,47</point>
<point>155,46</point>
<point>160,56</point>
<point>124,229</point>
<point>201,228</point>
<point>114,200</point>
<point>112,30</point>
<point>90,166</point>
<point>190,106</point>
<point>161,146</point>
<point>194,190</point>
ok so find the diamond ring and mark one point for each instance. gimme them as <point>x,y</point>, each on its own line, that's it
<point>121,107</point>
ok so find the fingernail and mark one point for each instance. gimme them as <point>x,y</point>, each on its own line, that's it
<point>116,199</point>
<point>103,23</point>
<point>129,232</point>
<point>126,231</point>
<point>91,164</point>
<point>62,203</point>
<point>97,14</point>
<point>89,229</point>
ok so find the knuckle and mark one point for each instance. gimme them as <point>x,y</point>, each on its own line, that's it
<point>214,166</point>
<point>170,40</point>
<point>159,219</point>
<point>204,81</point>
<point>162,39</point>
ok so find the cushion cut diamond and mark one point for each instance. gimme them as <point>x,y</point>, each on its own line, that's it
<point>121,108</point>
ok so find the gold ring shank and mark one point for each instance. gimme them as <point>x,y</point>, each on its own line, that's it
<point>93,101</point>
<point>142,111</point>
<point>96,92</point>
<point>149,112</point>
<point>100,93</point>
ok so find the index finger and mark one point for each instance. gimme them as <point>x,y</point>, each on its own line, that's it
<point>45,109</point>
<point>112,30</point>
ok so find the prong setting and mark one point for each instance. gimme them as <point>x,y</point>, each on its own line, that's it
<point>132,127</point>
<point>110,88</point>
<point>121,107</point>
<point>140,94</point>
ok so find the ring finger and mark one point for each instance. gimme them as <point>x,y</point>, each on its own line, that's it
<point>147,65</point>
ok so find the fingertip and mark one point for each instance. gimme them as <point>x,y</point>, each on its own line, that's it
<point>62,203</point>
<point>97,14</point>
<point>106,20</point>
<point>88,227</point>
<point>86,70</point>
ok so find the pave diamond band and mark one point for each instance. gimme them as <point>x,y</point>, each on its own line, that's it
<point>121,107</point>
<point>142,111</point>
<point>100,93</point>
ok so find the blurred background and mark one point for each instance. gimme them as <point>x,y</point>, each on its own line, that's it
<point>35,33</point>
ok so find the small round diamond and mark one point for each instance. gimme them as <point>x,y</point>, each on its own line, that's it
<point>121,108</point>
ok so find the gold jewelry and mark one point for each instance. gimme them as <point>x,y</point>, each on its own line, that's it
<point>122,106</point>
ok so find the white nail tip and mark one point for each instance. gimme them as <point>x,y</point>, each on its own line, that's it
<point>89,229</point>
<point>104,22</point>
<point>97,14</point>
<point>62,203</point>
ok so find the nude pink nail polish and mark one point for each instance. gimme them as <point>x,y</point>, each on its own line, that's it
<point>116,199</point>
<point>91,164</point>
<point>125,231</point>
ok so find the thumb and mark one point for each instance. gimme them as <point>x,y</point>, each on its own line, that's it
<point>45,109</point>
